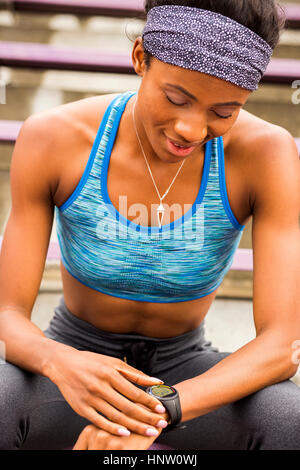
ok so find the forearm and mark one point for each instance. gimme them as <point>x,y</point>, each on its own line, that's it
<point>25,344</point>
<point>264,361</point>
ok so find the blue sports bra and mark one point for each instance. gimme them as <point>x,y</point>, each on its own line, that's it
<point>183,260</point>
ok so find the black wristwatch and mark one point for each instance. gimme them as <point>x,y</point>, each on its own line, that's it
<point>169,398</point>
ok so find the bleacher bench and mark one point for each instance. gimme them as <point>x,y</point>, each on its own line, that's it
<point>120,8</point>
<point>45,56</point>
<point>116,8</point>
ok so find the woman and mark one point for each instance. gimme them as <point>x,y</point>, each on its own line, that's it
<point>149,215</point>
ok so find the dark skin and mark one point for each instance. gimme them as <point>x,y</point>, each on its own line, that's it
<point>52,170</point>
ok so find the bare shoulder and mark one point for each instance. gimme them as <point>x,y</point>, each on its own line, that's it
<point>264,150</point>
<point>57,132</point>
<point>257,137</point>
<point>59,122</point>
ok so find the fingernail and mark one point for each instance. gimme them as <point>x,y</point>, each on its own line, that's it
<point>155,379</point>
<point>162,424</point>
<point>151,432</point>
<point>160,409</point>
<point>123,432</point>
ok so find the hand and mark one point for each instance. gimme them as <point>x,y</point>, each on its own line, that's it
<point>93,438</point>
<point>93,383</point>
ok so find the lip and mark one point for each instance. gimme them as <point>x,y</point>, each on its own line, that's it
<point>182,152</point>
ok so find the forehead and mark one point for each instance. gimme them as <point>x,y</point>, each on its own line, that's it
<point>197,83</point>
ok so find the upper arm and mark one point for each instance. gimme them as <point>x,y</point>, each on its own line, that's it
<point>28,228</point>
<point>276,235</point>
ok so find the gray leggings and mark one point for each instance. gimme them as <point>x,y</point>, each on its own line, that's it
<point>34,414</point>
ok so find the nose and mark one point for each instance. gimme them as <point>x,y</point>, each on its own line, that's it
<point>191,130</point>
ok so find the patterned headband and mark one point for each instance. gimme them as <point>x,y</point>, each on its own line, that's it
<point>207,42</point>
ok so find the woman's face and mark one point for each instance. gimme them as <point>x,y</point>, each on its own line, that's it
<point>182,105</point>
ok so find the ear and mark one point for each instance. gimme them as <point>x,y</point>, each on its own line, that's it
<point>138,57</point>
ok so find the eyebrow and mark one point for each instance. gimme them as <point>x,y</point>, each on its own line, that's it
<point>183,90</point>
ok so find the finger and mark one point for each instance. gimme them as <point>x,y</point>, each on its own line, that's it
<point>131,409</point>
<point>97,439</point>
<point>138,376</point>
<point>101,440</point>
<point>82,440</point>
<point>92,414</point>
<point>135,394</point>
<point>118,420</point>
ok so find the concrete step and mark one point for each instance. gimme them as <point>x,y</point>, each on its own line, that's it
<point>289,46</point>
<point>278,105</point>
<point>69,30</point>
<point>30,91</point>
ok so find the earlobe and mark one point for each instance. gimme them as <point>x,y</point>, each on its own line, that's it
<point>138,57</point>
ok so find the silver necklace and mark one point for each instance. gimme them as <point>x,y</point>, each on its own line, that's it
<point>160,210</point>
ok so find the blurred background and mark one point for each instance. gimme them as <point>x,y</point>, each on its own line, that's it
<point>58,51</point>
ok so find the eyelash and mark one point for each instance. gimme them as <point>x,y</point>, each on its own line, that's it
<point>222,117</point>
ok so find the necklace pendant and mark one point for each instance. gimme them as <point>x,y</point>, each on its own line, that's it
<point>160,214</point>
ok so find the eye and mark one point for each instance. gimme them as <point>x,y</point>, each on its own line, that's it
<point>182,104</point>
<point>176,104</point>
<point>223,117</point>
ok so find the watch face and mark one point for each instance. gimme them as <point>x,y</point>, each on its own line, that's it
<point>161,391</point>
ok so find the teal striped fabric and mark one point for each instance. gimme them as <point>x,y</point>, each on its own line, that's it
<point>183,260</point>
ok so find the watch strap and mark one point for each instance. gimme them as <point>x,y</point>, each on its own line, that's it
<point>174,410</point>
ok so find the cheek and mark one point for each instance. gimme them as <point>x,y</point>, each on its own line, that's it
<point>155,115</point>
<point>222,126</point>
<point>153,104</point>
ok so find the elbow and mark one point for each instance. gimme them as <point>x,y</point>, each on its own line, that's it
<point>290,360</point>
<point>282,354</point>
<point>290,372</point>
<point>294,357</point>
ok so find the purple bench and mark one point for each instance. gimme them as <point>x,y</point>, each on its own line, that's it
<point>155,446</point>
<point>120,8</point>
<point>9,131</point>
<point>45,56</point>
<point>117,8</point>
<point>293,15</point>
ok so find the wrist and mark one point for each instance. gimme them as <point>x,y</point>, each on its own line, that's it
<point>190,409</point>
<point>55,353</point>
